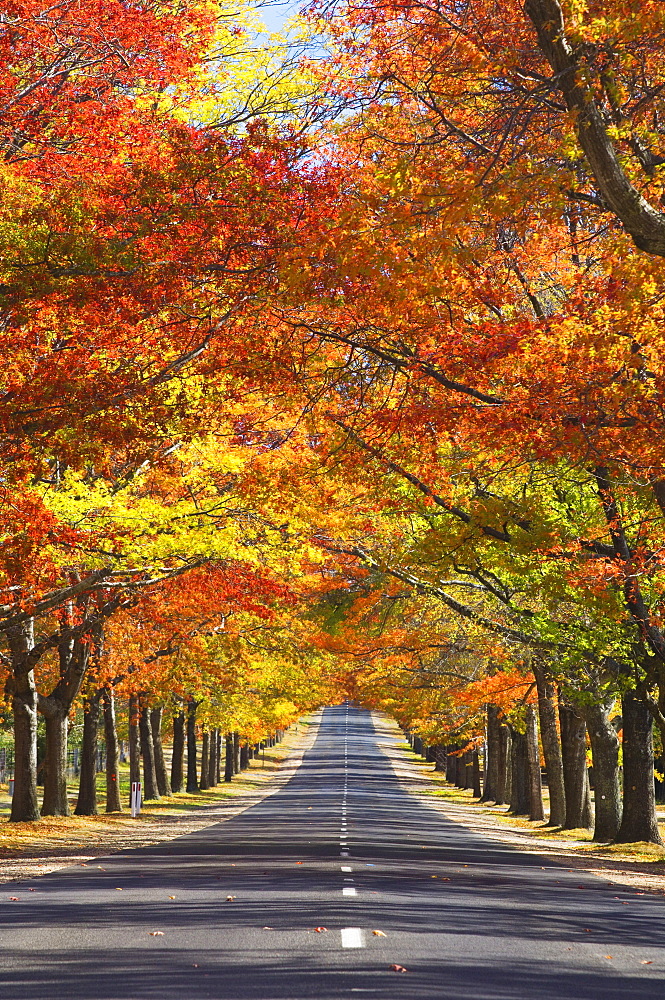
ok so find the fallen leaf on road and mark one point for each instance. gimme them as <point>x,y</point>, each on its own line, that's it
<point>607,956</point>
<point>320,930</point>
<point>229,899</point>
<point>267,928</point>
<point>118,889</point>
<point>397,968</point>
<point>14,899</point>
<point>587,930</point>
<point>379,934</point>
<point>171,897</point>
<point>646,963</point>
<point>443,879</point>
<point>299,862</point>
<point>195,965</point>
<point>32,890</point>
<point>156,933</point>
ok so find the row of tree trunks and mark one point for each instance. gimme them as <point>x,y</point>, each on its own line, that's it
<point>512,776</point>
<point>145,744</point>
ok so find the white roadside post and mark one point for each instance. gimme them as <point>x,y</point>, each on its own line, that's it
<point>135,801</point>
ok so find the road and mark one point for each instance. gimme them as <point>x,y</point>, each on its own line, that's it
<point>342,846</point>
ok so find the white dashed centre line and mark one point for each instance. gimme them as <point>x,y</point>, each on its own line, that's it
<point>349,891</point>
<point>347,868</point>
<point>352,937</point>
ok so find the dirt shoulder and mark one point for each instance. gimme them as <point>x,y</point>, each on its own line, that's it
<point>641,866</point>
<point>30,849</point>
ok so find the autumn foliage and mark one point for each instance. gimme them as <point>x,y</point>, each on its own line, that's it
<point>345,385</point>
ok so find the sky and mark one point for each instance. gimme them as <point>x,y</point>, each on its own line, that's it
<point>276,12</point>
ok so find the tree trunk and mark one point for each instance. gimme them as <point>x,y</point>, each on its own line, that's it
<point>439,757</point>
<point>639,821</point>
<point>575,777</point>
<point>134,740</point>
<point>492,754</point>
<point>25,808</point>
<point>236,753</point>
<point>150,789</point>
<point>218,758</point>
<point>113,803</point>
<point>55,801</point>
<point>536,810</point>
<point>178,759</point>
<point>417,745</point>
<point>451,763</point>
<point>606,771</point>
<point>477,790</point>
<point>205,760</point>
<point>468,769</point>
<point>163,783</point>
<point>505,768</point>
<point>551,746</point>
<point>460,770</point>
<point>212,760</point>
<point>192,776</point>
<point>228,760</point>
<point>519,786</point>
<point>244,757</point>
<point>86,804</point>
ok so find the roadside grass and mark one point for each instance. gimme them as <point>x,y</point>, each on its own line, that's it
<point>578,842</point>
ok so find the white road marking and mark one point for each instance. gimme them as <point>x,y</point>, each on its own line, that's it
<point>352,937</point>
<point>347,868</point>
<point>349,890</point>
<point>343,854</point>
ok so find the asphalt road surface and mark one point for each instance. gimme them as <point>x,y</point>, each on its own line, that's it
<point>342,846</point>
